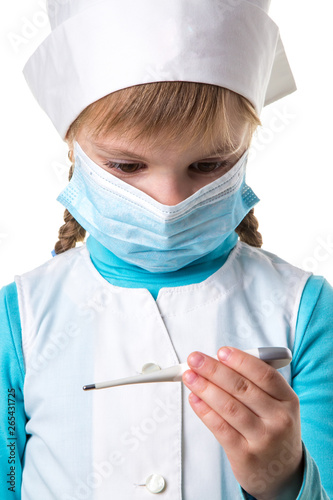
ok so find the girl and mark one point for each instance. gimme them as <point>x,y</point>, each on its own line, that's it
<point>158,129</point>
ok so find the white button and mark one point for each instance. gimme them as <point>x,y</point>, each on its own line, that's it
<point>150,367</point>
<point>155,483</point>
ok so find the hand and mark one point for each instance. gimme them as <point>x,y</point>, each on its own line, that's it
<point>254,414</point>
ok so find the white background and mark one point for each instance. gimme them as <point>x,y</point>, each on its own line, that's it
<point>290,167</point>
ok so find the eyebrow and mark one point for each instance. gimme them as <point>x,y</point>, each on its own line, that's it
<point>126,153</point>
<point>120,152</point>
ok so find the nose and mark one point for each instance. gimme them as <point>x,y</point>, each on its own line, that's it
<point>170,190</point>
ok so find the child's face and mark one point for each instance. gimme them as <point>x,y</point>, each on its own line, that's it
<point>168,174</point>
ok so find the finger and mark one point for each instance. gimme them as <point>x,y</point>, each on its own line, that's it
<point>257,371</point>
<point>228,437</point>
<point>239,387</point>
<point>239,416</point>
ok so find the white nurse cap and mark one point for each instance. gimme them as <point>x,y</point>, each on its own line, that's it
<point>97,47</point>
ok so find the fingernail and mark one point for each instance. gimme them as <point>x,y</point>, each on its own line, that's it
<point>190,377</point>
<point>194,398</point>
<point>196,360</point>
<point>224,354</point>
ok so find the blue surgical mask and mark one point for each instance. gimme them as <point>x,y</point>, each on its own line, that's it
<point>144,232</point>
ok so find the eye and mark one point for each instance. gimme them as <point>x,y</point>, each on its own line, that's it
<point>208,167</point>
<point>126,168</point>
<point>202,168</point>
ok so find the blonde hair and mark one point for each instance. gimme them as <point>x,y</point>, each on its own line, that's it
<point>164,112</point>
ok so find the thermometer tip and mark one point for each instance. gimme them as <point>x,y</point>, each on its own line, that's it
<point>89,387</point>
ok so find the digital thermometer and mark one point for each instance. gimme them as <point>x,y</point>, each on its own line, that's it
<point>278,357</point>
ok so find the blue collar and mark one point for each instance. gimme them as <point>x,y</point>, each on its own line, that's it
<point>120,273</point>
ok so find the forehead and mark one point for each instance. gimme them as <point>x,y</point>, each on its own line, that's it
<point>217,141</point>
<point>145,149</point>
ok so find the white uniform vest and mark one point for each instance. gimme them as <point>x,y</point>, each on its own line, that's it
<point>78,329</point>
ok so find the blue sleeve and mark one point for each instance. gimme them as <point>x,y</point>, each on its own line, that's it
<point>312,380</point>
<point>12,415</point>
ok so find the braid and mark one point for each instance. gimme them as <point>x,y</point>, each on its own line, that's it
<point>71,232</point>
<point>248,230</point>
